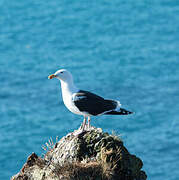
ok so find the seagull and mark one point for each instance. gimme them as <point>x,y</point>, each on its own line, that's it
<point>83,102</point>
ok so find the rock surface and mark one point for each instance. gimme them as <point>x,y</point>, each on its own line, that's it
<point>92,155</point>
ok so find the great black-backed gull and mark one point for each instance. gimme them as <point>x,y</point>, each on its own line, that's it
<point>85,103</point>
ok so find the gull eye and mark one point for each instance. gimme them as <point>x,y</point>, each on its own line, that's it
<point>61,72</point>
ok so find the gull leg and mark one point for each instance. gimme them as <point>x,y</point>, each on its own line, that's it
<point>89,119</point>
<point>81,124</point>
<point>84,123</point>
<point>82,128</point>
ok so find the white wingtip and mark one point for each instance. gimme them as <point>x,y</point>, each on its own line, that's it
<point>118,106</point>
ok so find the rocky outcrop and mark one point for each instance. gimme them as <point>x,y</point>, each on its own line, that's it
<point>92,155</point>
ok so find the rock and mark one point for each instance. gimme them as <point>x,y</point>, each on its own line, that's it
<point>92,155</point>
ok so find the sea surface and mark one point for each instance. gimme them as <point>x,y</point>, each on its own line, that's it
<point>120,49</point>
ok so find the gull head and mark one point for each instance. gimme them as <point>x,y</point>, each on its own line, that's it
<point>62,75</point>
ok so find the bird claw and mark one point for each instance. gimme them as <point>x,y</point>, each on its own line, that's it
<point>85,127</point>
<point>79,132</point>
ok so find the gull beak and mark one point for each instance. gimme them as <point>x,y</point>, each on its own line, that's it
<point>52,76</point>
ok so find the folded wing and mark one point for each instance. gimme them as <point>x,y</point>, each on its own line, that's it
<point>92,103</point>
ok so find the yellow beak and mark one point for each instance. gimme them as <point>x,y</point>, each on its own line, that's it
<point>52,76</point>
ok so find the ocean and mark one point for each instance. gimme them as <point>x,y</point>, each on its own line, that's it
<point>123,50</point>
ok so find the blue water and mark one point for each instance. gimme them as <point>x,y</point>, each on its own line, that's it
<point>125,50</point>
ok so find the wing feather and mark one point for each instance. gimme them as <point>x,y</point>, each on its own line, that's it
<point>92,103</point>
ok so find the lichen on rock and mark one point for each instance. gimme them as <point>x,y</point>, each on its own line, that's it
<point>92,155</point>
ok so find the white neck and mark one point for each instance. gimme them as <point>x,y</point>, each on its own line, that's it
<point>68,87</point>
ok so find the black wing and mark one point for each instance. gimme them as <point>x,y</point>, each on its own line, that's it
<point>92,103</point>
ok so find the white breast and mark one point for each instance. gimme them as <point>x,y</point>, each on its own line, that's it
<point>68,100</point>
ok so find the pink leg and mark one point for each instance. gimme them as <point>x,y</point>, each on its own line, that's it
<point>84,123</point>
<point>89,119</point>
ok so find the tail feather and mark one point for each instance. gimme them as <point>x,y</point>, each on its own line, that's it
<point>120,112</point>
